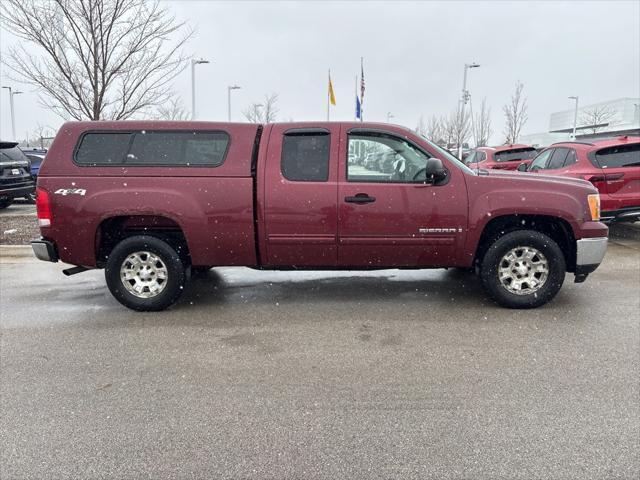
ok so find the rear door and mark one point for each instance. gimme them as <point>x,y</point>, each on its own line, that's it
<point>621,166</point>
<point>396,219</point>
<point>300,188</point>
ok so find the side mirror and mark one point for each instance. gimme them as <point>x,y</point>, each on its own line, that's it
<point>522,167</point>
<point>435,170</point>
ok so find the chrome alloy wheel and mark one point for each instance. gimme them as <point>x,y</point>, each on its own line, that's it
<point>144,274</point>
<point>523,270</point>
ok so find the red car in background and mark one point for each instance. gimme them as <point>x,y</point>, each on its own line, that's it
<point>505,157</point>
<point>611,165</point>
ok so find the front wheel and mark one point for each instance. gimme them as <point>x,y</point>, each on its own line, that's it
<point>145,273</point>
<point>523,269</point>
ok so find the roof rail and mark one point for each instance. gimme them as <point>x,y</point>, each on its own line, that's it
<point>579,143</point>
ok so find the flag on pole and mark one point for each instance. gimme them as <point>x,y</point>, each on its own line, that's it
<point>361,80</point>
<point>332,96</point>
<point>358,108</point>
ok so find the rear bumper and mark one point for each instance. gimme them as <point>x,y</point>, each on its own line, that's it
<point>589,254</point>
<point>627,214</point>
<point>17,192</point>
<point>45,250</point>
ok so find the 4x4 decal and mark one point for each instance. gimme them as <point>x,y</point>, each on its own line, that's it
<point>71,191</point>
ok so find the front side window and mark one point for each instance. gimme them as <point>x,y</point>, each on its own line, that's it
<point>472,158</point>
<point>387,159</point>
<point>557,159</point>
<point>540,161</point>
<point>153,148</point>
<point>305,156</point>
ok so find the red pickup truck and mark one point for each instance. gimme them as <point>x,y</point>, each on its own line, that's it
<point>150,202</point>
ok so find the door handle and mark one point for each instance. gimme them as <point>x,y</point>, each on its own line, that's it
<point>360,198</point>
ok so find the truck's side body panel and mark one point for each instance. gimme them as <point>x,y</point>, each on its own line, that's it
<point>231,215</point>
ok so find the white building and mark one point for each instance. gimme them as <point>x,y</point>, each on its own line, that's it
<point>604,119</point>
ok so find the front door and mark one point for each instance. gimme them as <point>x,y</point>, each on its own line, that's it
<point>388,214</point>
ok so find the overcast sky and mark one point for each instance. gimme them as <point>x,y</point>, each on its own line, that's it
<point>414,54</point>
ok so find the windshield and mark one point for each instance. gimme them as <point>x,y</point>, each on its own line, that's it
<point>449,156</point>
<point>515,154</point>
<point>13,154</point>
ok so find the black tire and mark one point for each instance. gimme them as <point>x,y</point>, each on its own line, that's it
<point>175,273</point>
<point>502,246</point>
<point>5,203</point>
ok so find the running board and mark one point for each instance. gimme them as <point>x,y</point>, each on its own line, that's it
<point>74,270</point>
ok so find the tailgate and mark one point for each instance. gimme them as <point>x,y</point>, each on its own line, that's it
<point>620,165</point>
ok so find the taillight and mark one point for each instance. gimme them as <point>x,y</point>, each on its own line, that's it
<point>43,207</point>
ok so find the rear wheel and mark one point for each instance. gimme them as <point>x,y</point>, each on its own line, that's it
<point>145,273</point>
<point>523,269</point>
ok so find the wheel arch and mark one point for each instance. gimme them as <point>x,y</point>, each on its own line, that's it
<point>113,229</point>
<point>556,228</point>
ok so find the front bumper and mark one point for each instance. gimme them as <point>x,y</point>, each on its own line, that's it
<point>627,214</point>
<point>589,254</point>
<point>45,250</point>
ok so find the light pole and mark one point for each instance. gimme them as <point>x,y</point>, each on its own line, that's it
<point>389,116</point>
<point>464,100</point>
<point>13,118</point>
<point>229,88</point>
<point>575,116</point>
<point>194,62</point>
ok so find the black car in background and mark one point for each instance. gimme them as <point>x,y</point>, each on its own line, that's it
<point>15,175</point>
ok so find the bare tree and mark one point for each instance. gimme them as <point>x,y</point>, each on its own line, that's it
<point>482,125</point>
<point>96,59</point>
<point>41,136</point>
<point>172,110</point>
<point>515,114</point>
<point>421,127</point>
<point>595,118</point>
<point>264,112</point>
<point>457,128</point>
<point>436,130</point>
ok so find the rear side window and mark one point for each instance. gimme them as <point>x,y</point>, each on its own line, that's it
<point>305,157</point>
<point>571,158</point>
<point>153,148</point>
<point>515,155</point>
<point>619,156</point>
<point>98,149</point>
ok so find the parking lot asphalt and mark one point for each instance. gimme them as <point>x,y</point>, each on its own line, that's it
<point>335,375</point>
